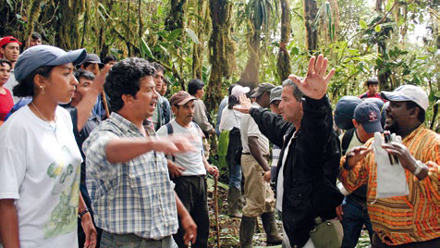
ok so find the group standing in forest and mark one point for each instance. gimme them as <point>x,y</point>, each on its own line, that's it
<point>93,154</point>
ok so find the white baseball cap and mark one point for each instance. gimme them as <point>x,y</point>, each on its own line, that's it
<point>239,90</point>
<point>406,93</point>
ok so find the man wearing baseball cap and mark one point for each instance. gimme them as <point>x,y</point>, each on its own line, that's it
<point>411,220</point>
<point>188,169</point>
<point>366,121</point>
<point>10,50</point>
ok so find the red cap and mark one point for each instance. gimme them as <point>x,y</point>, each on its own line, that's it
<point>8,39</point>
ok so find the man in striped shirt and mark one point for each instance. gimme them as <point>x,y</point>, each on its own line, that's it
<point>402,221</point>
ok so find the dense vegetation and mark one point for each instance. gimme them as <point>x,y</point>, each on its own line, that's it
<point>250,41</point>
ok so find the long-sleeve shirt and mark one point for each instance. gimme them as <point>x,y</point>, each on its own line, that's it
<point>200,116</point>
<point>403,219</point>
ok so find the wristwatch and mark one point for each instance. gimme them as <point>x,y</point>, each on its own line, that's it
<point>81,214</point>
<point>419,165</point>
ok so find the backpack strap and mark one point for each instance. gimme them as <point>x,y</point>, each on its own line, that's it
<point>346,140</point>
<point>170,131</point>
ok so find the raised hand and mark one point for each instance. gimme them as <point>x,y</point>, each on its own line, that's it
<point>315,84</point>
<point>245,104</point>
<point>355,155</point>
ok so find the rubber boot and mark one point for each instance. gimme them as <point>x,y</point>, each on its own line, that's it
<point>234,198</point>
<point>270,227</point>
<point>247,229</point>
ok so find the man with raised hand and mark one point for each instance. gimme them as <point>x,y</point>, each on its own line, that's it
<point>308,163</point>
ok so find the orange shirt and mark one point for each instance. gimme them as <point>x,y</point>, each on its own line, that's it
<point>403,219</point>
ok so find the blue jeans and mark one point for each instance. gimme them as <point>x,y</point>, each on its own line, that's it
<point>355,216</point>
<point>112,240</point>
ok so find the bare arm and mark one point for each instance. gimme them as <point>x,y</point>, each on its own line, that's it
<point>9,224</point>
<point>85,107</point>
<point>87,225</point>
<point>256,152</point>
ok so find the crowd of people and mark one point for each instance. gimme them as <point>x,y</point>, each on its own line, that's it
<point>95,153</point>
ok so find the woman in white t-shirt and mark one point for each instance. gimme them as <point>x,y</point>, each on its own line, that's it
<point>39,158</point>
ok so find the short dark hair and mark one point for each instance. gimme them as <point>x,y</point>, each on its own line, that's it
<point>109,58</point>
<point>36,35</point>
<point>195,85</point>
<point>372,81</point>
<point>80,73</point>
<point>26,87</point>
<point>123,79</point>
<point>5,61</point>
<point>158,67</point>
<point>421,116</point>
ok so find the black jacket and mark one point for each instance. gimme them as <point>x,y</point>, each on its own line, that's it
<point>311,167</point>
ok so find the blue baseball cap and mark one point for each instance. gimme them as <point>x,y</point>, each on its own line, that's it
<point>368,114</point>
<point>45,55</point>
<point>344,111</point>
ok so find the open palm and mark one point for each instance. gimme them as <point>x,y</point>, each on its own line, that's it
<point>316,82</point>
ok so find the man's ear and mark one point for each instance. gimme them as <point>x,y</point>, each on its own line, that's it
<point>127,99</point>
<point>174,109</point>
<point>414,112</point>
<point>355,123</point>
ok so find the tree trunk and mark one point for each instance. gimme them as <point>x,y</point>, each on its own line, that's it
<point>310,11</point>
<point>202,26</point>
<point>175,18</point>
<point>249,77</point>
<point>67,33</point>
<point>283,62</point>
<point>221,50</point>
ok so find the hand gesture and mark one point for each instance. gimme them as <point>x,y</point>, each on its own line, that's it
<point>245,104</point>
<point>355,155</point>
<point>315,84</point>
<point>398,149</point>
<point>99,81</point>
<point>174,169</point>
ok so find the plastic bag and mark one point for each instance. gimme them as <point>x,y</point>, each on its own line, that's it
<point>391,179</point>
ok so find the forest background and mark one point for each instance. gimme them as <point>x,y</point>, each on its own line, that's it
<point>248,41</point>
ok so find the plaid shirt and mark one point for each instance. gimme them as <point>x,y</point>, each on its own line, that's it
<point>133,197</point>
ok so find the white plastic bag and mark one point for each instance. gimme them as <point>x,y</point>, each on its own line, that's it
<point>391,180</point>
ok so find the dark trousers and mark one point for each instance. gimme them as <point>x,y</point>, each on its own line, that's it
<point>192,192</point>
<point>355,216</point>
<point>377,243</point>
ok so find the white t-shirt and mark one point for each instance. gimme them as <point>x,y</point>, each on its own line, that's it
<point>40,169</point>
<point>230,119</point>
<point>192,161</point>
<point>280,179</point>
<point>249,128</point>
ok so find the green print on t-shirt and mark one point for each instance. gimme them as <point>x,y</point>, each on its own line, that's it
<point>62,219</point>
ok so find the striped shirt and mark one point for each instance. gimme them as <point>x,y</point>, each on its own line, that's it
<point>133,197</point>
<point>403,219</point>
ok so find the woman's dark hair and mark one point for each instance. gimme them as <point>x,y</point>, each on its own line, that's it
<point>5,61</point>
<point>123,79</point>
<point>26,87</point>
<point>232,101</point>
<point>195,85</point>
